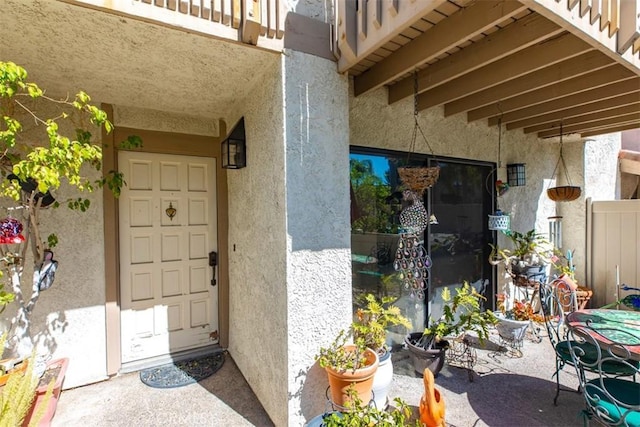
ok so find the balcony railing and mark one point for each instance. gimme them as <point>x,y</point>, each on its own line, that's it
<point>255,22</point>
<point>363,26</point>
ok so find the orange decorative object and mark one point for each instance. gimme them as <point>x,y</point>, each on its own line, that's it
<point>19,367</point>
<point>361,379</point>
<point>431,403</point>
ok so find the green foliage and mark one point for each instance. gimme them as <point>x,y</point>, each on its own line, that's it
<point>339,357</point>
<point>56,157</point>
<point>43,154</point>
<point>370,193</point>
<point>461,313</point>
<point>374,318</point>
<point>5,299</point>
<point>359,415</point>
<point>18,394</point>
<point>529,249</point>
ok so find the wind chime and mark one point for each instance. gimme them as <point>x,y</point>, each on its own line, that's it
<point>412,261</point>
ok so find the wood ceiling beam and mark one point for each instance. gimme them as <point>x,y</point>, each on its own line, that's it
<point>581,127</point>
<point>601,121</point>
<point>603,105</point>
<point>578,68</point>
<point>612,129</point>
<point>446,35</point>
<point>585,118</point>
<point>521,34</point>
<point>533,58</point>
<point>597,94</point>
<point>557,90</point>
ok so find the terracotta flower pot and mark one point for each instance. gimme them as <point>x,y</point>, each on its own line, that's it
<point>55,371</point>
<point>361,379</point>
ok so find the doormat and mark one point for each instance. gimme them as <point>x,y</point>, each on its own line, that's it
<point>183,372</point>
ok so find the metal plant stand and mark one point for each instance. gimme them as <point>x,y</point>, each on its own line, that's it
<point>461,354</point>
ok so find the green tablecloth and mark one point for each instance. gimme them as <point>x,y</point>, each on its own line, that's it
<point>608,322</point>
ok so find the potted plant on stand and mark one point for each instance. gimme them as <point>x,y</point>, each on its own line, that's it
<point>370,325</point>
<point>461,313</point>
<point>528,262</point>
<point>348,365</point>
<point>514,320</point>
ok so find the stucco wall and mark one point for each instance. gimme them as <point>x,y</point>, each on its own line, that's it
<point>290,272</point>
<point>69,319</point>
<point>318,226</point>
<point>257,249</point>
<point>162,121</point>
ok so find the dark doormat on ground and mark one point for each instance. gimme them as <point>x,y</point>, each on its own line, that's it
<point>183,372</point>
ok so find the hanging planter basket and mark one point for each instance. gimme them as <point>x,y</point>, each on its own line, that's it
<point>565,193</point>
<point>419,179</point>
<point>499,222</point>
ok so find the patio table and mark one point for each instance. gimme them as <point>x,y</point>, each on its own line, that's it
<point>605,322</point>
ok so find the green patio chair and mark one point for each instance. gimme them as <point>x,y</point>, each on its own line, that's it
<point>610,399</point>
<point>555,298</point>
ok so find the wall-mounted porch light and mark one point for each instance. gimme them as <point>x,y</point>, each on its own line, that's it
<point>234,153</point>
<point>516,175</point>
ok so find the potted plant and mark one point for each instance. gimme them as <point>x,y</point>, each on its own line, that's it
<point>529,259</point>
<point>370,325</point>
<point>348,365</point>
<point>357,414</point>
<point>514,320</point>
<point>461,313</point>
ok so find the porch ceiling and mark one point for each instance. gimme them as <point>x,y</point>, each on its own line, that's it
<point>127,62</point>
<point>508,64</point>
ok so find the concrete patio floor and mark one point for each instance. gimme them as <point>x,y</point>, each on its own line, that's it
<point>505,391</point>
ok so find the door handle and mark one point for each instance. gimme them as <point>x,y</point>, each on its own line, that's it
<point>213,261</point>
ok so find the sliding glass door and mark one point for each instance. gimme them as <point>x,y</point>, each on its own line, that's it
<point>456,241</point>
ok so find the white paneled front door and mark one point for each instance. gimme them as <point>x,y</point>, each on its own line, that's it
<point>167,217</point>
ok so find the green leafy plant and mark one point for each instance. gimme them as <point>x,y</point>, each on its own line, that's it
<point>373,319</point>
<point>35,160</point>
<point>519,310</point>
<point>358,415</point>
<point>18,394</point>
<point>342,357</point>
<point>529,249</point>
<point>461,313</point>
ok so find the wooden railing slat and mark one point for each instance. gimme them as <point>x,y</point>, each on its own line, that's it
<point>585,6</point>
<point>629,32</point>
<point>264,11</point>
<point>216,8</point>
<point>605,14</point>
<point>362,19</point>
<point>226,12</point>
<point>281,14</point>
<point>614,24</point>
<point>271,19</point>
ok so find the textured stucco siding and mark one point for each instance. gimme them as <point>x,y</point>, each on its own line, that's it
<point>162,121</point>
<point>318,227</point>
<point>69,318</point>
<point>257,248</point>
